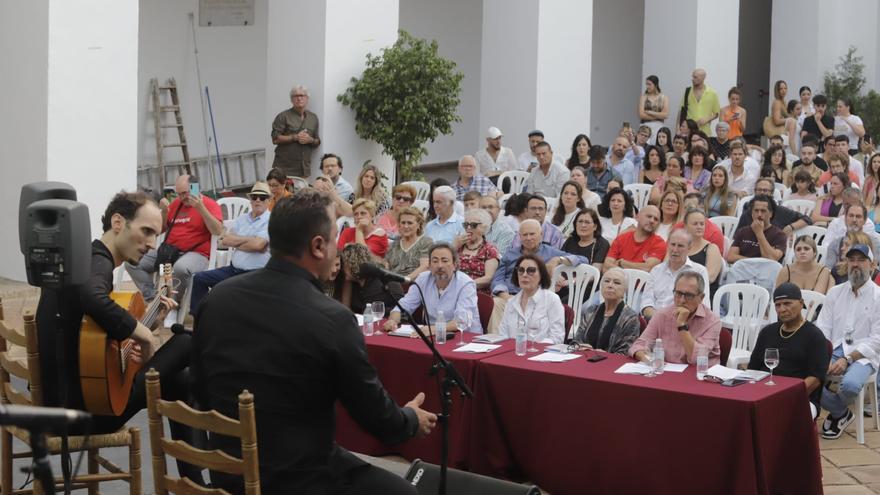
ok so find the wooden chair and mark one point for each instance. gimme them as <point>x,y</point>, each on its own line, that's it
<point>28,369</point>
<point>245,429</point>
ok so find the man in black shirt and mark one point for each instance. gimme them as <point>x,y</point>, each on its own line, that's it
<point>131,223</point>
<point>273,332</point>
<point>819,124</point>
<point>803,349</point>
<point>784,218</point>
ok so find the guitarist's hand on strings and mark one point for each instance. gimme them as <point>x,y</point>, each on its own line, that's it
<point>167,305</point>
<point>146,344</point>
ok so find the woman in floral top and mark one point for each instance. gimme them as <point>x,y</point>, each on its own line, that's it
<point>477,257</point>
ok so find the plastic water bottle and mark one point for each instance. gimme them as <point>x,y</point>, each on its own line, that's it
<point>702,362</point>
<point>440,328</point>
<point>368,320</point>
<point>521,343</point>
<point>659,357</point>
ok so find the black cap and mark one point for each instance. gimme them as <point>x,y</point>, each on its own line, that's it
<point>787,290</point>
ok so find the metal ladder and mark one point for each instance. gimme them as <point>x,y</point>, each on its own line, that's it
<point>160,108</point>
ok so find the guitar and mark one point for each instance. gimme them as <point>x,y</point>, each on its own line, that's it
<point>106,369</point>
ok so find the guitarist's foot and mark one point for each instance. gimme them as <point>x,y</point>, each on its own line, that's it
<point>178,329</point>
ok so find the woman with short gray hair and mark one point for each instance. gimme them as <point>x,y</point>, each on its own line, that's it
<point>612,325</point>
<point>478,258</point>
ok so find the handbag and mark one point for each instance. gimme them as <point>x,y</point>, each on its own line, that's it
<point>166,253</point>
<point>771,129</point>
<point>684,106</point>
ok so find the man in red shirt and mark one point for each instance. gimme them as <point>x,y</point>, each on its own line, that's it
<point>640,248</point>
<point>188,223</point>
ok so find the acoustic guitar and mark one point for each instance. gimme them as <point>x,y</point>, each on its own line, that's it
<point>106,368</point>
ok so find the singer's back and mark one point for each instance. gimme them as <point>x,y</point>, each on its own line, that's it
<point>274,332</point>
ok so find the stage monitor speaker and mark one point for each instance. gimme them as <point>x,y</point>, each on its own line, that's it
<point>425,476</point>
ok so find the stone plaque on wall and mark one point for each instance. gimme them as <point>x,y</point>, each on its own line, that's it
<point>226,13</point>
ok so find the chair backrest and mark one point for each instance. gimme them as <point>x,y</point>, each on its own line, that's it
<point>516,179</point>
<point>745,304</point>
<point>421,205</point>
<point>502,202</point>
<point>757,271</point>
<point>245,428</point>
<point>28,369</point>
<point>579,279</point>
<point>803,206</point>
<point>725,342</point>
<point>298,183</point>
<point>779,191</point>
<point>727,224</point>
<point>818,234</point>
<point>640,193</point>
<point>740,205</point>
<point>342,223</point>
<point>485,305</point>
<point>821,252</point>
<point>233,207</point>
<point>569,320</point>
<point>423,189</point>
<point>636,282</point>
<point>552,203</point>
<point>813,302</point>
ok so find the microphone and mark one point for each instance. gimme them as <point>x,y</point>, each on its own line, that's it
<point>373,270</point>
<point>41,418</point>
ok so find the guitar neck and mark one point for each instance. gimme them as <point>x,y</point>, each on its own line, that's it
<point>152,311</point>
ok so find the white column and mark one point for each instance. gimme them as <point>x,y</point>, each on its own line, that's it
<point>536,63</point>
<point>705,36</point>
<point>322,45</point>
<point>70,107</point>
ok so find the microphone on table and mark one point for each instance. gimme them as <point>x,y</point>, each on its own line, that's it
<point>372,270</point>
<point>41,418</point>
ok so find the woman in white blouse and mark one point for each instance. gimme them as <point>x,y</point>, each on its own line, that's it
<point>535,307</point>
<point>616,214</point>
<point>570,203</point>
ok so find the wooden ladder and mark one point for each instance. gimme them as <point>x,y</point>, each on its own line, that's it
<point>160,108</point>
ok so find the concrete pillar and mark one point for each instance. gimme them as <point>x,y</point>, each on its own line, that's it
<point>322,45</point>
<point>705,35</point>
<point>536,68</point>
<point>70,105</point>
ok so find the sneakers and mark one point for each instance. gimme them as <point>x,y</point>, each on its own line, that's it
<point>832,428</point>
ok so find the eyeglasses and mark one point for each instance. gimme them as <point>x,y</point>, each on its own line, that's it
<point>258,197</point>
<point>584,222</point>
<point>537,208</point>
<point>531,270</point>
<point>403,198</point>
<point>471,225</point>
<point>687,296</point>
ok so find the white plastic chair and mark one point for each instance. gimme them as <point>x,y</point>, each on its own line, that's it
<point>421,205</point>
<point>743,201</point>
<point>342,223</point>
<point>298,183</point>
<point>640,194</point>
<point>755,271</point>
<point>746,304</point>
<point>502,202</point>
<point>871,384</point>
<point>636,282</point>
<point>233,207</point>
<point>821,252</point>
<point>422,188</point>
<point>579,277</point>
<point>517,180</point>
<point>779,192</point>
<point>817,233</point>
<point>552,203</point>
<point>813,302</point>
<point>727,224</point>
<point>803,206</point>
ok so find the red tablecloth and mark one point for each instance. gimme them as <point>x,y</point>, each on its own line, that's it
<point>577,427</point>
<point>404,365</point>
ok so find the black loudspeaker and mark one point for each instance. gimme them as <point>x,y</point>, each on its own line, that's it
<point>425,476</point>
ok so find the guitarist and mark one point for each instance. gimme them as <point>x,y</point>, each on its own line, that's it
<point>131,224</point>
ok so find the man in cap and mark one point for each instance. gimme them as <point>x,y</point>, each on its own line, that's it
<point>495,159</point>
<point>249,236</point>
<point>849,320</point>
<point>803,351</point>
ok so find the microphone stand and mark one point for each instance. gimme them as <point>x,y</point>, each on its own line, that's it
<point>40,467</point>
<point>451,378</point>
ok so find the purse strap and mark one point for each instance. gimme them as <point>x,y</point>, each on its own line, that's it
<point>171,225</point>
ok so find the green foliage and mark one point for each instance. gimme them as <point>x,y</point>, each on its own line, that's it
<point>847,81</point>
<point>406,97</point>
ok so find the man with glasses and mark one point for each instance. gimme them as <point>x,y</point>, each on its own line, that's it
<point>331,166</point>
<point>551,235</point>
<point>658,288</point>
<point>849,320</point>
<point>784,218</point>
<point>500,234</point>
<point>686,323</point>
<point>447,225</point>
<point>295,135</point>
<point>853,220</point>
<point>248,236</point>
<point>469,180</point>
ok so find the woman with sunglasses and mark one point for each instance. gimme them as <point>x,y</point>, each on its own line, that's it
<point>535,309</point>
<point>611,325</point>
<point>402,196</point>
<point>477,257</point>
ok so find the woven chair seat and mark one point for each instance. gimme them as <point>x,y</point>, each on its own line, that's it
<point>121,438</point>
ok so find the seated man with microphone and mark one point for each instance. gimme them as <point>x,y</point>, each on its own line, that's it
<point>445,289</point>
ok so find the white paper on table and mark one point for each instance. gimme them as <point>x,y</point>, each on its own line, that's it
<point>643,369</point>
<point>554,357</point>
<point>403,331</point>
<point>722,372</point>
<point>477,348</point>
<point>674,367</point>
<point>360,319</point>
<point>489,338</point>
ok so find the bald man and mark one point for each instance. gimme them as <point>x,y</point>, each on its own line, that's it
<point>639,248</point>
<point>700,102</point>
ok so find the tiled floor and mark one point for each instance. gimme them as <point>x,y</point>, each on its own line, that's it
<point>848,468</point>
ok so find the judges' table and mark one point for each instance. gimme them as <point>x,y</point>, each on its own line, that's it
<point>404,365</point>
<point>577,427</point>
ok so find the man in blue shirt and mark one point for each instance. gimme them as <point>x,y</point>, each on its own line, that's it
<point>445,288</point>
<point>249,236</point>
<point>599,174</point>
<point>619,164</point>
<point>448,224</point>
<point>331,166</point>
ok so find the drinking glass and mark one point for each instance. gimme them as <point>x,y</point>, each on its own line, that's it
<point>463,320</point>
<point>649,354</point>
<point>771,360</point>
<point>378,315</point>
<point>532,332</point>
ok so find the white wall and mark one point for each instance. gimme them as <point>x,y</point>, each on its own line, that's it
<point>457,25</point>
<point>617,80</point>
<point>24,45</point>
<point>793,56</point>
<point>233,66</point>
<point>565,45</point>
<point>851,23</point>
<point>716,44</point>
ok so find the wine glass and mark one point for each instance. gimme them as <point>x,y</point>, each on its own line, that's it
<point>378,314</point>
<point>771,360</point>
<point>532,332</point>
<point>463,318</point>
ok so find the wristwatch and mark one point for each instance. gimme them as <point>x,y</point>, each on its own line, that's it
<point>849,359</point>
<point>683,328</point>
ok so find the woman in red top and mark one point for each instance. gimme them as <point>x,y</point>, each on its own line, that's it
<point>477,257</point>
<point>364,231</point>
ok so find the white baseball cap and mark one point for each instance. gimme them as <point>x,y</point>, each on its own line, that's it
<point>493,133</point>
